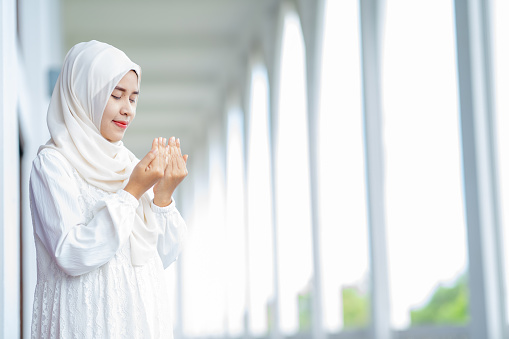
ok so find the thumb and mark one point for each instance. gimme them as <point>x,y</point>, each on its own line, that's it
<point>185,158</point>
<point>147,159</point>
<point>155,144</point>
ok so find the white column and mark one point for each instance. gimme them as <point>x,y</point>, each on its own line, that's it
<point>371,41</point>
<point>487,297</point>
<point>9,176</point>
<point>244,104</point>
<point>273,69</point>
<point>312,28</point>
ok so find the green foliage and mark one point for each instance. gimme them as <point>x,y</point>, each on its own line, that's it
<point>305,311</point>
<point>447,305</point>
<point>270,315</point>
<point>355,308</point>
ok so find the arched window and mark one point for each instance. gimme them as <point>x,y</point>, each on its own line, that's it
<point>342,191</point>
<point>424,198</point>
<point>293,219</point>
<point>260,225</point>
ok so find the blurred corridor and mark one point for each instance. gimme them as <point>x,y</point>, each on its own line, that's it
<point>348,161</point>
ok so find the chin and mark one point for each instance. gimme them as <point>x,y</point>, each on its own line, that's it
<point>113,139</point>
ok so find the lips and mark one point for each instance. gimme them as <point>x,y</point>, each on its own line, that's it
<point>121,123</point>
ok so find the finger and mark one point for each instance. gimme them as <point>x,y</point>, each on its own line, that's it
<point>154,144</point>
<point>159,144</point>
<point>179,163</point>
<point>175,163</point>
<point>182,169</point>
<point>162,152</point>
<point>162,144</point>
<point>173,145</point>
<point>147,159</point>
<point>185,156</point>
<point>178,147</point>
<point>167,155</point>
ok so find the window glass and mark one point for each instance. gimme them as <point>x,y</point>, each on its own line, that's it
<point>235,259</point>
<point>425,215</point>
<point>500,29</point>
<point>260,225</point>
<point>292,184</point>
<point>344,240</point>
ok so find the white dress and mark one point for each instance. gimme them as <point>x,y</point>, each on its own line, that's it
<point>86,284</point>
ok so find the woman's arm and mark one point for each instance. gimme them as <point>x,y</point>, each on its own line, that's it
<point>77,246</point>
<point>172,232</point>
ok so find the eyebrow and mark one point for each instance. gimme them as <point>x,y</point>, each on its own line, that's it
<point>124,90</point>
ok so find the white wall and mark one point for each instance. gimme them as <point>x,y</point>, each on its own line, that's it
<point>29,47</point>
<point>39,52</point>
<point>9,175</point>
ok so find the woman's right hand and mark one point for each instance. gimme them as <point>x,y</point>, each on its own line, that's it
<point>148,171</point>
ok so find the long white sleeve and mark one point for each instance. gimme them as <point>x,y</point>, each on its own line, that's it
<point>172,232</point>
<point>77,246</point>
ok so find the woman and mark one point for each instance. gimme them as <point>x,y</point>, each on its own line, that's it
<point>105,224</point>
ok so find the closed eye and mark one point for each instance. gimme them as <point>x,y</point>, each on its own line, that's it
<point>117,98</point>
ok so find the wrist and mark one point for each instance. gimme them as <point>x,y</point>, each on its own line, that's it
<point>162,202</point>
<point>163,198</point>
<point>131,189</point>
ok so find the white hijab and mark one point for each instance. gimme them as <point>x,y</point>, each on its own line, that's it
<point>90,72</point>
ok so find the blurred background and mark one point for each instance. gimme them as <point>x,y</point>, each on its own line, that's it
<point>348,159</point>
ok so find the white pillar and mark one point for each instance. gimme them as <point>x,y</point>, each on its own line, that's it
<point>9,176</point>
<point>487,294</point>
<point>371,41</point>
<point>312,29</point>
<point>274,70</point>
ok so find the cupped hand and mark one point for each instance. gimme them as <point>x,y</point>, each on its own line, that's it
<point>148,171</point>
<point>174,173</point>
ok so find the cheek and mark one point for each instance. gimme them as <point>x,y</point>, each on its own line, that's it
<point>107,115</point>
<point>109,110</point>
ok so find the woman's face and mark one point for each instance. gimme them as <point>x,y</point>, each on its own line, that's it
<point>121,108</point>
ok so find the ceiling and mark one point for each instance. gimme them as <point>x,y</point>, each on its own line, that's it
<point>192,53</point>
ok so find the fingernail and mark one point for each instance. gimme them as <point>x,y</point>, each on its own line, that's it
<point>172,139</point>
<point>178,140</point>
<point>164,141</point>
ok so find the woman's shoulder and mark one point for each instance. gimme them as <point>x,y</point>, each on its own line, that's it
<point>49,159</point>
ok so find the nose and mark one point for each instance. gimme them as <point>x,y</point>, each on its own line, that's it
<point>127,108</point>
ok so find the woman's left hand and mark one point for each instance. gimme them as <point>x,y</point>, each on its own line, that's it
<point>174,172</point>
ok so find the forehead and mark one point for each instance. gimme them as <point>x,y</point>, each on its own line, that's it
<point>129,81</point>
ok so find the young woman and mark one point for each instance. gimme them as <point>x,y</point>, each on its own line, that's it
<point>105,224</point>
